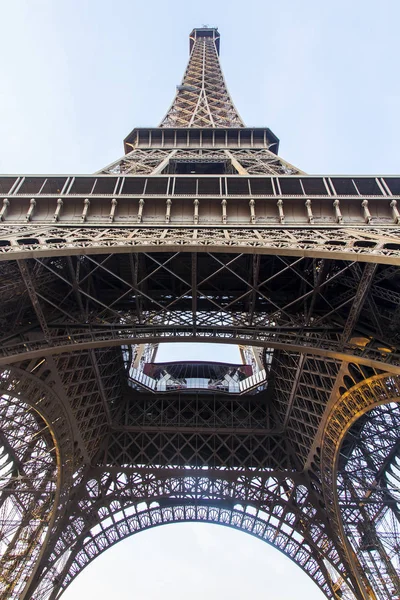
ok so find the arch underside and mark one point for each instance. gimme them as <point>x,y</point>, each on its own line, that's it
<point>31,477</point>
<point>185,513</point>
<point>368,488</point>
<point>316,315</point>
<point>294,304</point>
<point>273,508</point>
<point>288,519</point>
<point>360,468</point>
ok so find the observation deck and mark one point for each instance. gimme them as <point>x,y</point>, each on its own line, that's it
<point>190,376</point>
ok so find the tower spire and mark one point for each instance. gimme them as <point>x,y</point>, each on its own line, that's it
<point>202,99</point>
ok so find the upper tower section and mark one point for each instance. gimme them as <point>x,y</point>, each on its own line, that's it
<point>202,99</point>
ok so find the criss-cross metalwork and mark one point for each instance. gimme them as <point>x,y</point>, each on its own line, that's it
<point>203,100</point>
<point>200,233</point>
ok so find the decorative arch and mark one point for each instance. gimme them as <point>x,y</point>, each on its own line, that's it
<point>351,407</point>
<point>300,553</point>
<point>291,336</point>
<point>36,467</point>
<point>277,508</point>
<point>338,243</point>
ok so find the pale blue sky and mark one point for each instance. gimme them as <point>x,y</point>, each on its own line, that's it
<point>77,75</point>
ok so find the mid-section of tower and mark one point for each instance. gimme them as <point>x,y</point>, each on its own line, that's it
<point>202,131</point>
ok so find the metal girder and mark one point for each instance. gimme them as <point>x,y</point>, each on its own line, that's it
<point>146,161</point>
<point>35,439</point>
<point>200,233</point>
<point>270,499</point>
<point>202,100</point>
<point>30,286</point>
<point>366,396</point>
<point>362,290</point>
<point>317,243</point>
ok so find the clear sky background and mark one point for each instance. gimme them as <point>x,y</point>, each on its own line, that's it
<point>77,75</point>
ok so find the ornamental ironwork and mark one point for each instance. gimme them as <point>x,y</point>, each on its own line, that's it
<point>201,232</point>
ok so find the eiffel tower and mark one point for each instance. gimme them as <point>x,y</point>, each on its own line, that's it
<point>201,232</point>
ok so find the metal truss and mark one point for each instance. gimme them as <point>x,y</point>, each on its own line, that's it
<point>376,245</point>
<point>359,469</point>
<point>114,504</point>
<point>247,161</point>
<point>286,302</point>
<point>200,233</point>
<point>202,100</point>
<point>315,315</point>
<point>36,462</point>
<point>368,490</point>
<point>99,300</point>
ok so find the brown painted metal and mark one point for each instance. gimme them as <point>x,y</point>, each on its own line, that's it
<point>200,232</point>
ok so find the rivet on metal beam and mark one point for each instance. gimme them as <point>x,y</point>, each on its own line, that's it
<point>196,211</point>
<point>395,212</point>
<point>367,214</point>
<point>86,205</point>
<point>6,204</point>
<point>32,205</point>
<point>113,209</point>
<point>252,205</point>
<point>309,211</point>
<point>280,209</point>
<point>58,209</point>
<point>168,211</point>
<point>140,210</point>
<point>338,214</point>
<point>223,204</point>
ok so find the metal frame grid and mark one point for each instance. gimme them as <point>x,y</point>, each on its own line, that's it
<point>308,463</point>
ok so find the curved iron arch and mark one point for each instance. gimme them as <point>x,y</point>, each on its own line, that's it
<point>358,400</point>
<point>113,337</point>
<point>234,519</point>
<point>298,532</point>
<point>38,415</point>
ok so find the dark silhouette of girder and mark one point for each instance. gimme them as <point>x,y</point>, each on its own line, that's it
<point>200,232</point>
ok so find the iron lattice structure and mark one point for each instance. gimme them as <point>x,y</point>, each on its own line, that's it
<point>201,232</point>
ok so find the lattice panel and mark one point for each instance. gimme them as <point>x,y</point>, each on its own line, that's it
<point>87,393</point>
<point>369,497</point>
<point>203,99</point>
<point>355,502</point>
<point>120,503</point>
<point>200,233</point>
